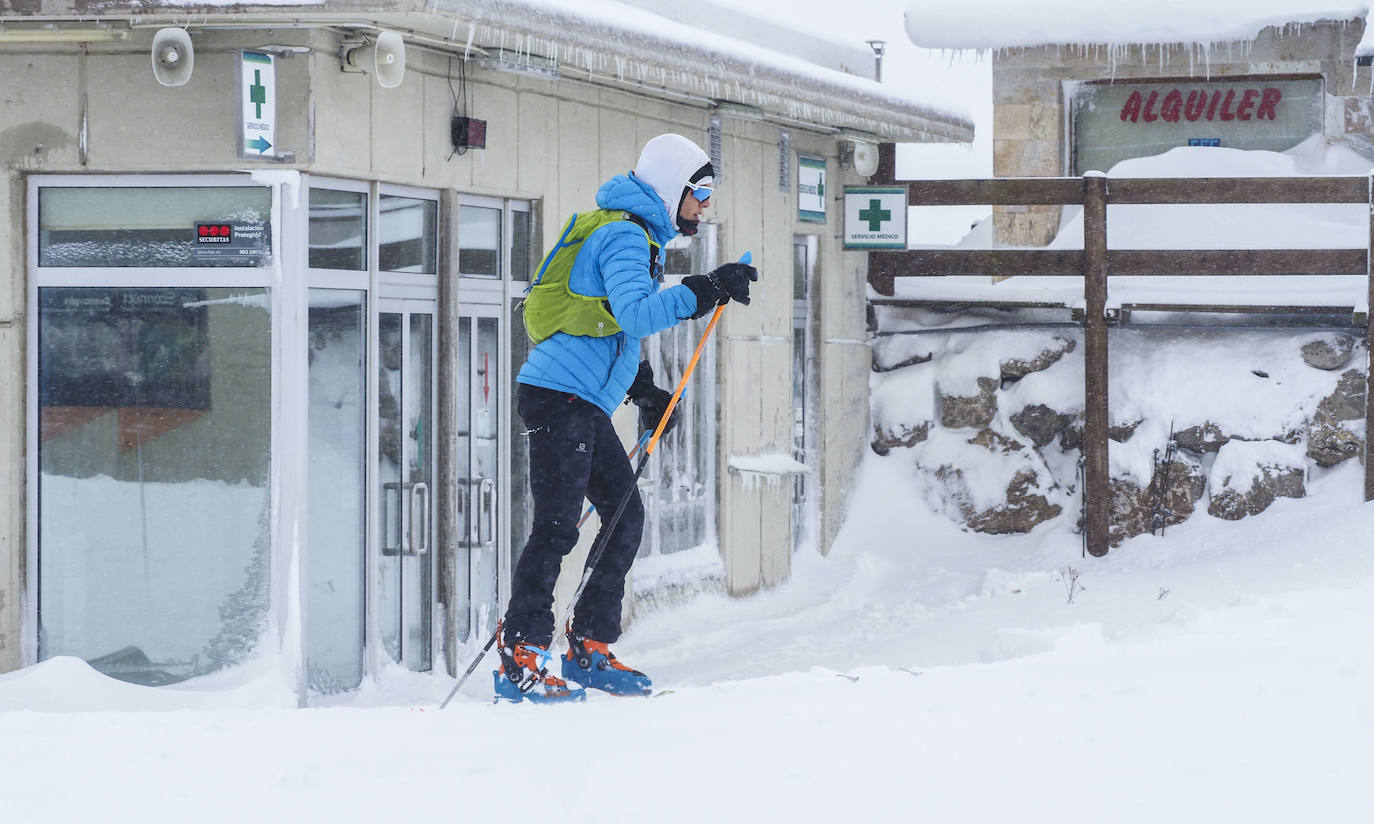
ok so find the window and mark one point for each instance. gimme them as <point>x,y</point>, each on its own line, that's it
<point>154,226</point>
<point>408,234</point>
<point>479,241</point>
<point>154,435</point>
<point>338,230</point>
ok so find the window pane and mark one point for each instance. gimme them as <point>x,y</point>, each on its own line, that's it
<point>338,230</point>
<point>154,495</point>
<point>677,261</point>
<point>408,233</point>
<point>154,226</point>
<point>338,461</point>
<point>479,241</point>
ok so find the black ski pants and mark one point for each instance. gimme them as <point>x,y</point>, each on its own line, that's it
<point>575,454</point>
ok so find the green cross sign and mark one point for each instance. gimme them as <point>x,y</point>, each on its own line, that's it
<point>257,93</point>
<point>875,214</point>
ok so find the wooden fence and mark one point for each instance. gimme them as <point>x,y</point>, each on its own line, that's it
<point>1095,263</point>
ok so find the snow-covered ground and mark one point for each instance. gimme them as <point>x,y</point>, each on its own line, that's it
<point>1222,672</point>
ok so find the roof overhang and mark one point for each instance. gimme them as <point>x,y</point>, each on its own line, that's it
<point>597,40</point>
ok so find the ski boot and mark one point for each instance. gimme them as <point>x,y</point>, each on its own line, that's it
<point>524,675</point>
<point>593,665</point>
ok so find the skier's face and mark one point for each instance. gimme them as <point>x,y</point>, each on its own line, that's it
<point>692,208</point>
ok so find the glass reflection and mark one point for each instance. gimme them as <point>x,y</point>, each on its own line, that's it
<point>154,459</point>
<point>338,461</point>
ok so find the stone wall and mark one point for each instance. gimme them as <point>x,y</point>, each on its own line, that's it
<point>992,422</point>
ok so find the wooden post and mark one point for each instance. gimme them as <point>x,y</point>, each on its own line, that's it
<point>1097,495</point>
<point>1369,357</point>
<point>881,271</point>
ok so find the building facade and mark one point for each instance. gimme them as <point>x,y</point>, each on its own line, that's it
<point>259,320</point>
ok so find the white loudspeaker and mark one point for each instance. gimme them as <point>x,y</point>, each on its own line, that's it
<point>865,157</point>
<point>173,57</point>
<point>385,59</point>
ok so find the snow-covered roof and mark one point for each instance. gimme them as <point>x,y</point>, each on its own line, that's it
<point>612,38</point>
<point>996,24</point>
<point>715,54</point>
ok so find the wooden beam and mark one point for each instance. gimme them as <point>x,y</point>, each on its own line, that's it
<point>1134,262</point>
<point>1238,190</point>
<point>1097,491</point>
<point>1016,191</point>
<point>934,262</point>
<point>1238,262</point>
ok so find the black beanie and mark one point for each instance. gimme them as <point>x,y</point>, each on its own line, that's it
<point>706,173</point>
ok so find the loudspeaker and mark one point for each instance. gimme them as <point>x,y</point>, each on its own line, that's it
<point>385,59</point>
<point>865,157</point>
<point>173,57</point>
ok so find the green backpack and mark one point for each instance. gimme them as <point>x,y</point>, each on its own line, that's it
<point>550,304</point>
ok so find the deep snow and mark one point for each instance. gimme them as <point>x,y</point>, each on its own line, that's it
<point>1222,672</point>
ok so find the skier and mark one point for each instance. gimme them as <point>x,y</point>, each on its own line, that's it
<point>596,295</point>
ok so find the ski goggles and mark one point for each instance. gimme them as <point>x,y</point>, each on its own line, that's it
<point>702,193</point>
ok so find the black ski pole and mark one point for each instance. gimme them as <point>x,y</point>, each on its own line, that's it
<point>606,533</point>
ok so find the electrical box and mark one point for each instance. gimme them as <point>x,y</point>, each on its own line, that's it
<point>469,133</point>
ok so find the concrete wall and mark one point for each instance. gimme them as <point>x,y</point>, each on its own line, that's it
<point>1030,136</point>
<point>553,142</point>
<point>12,500</point>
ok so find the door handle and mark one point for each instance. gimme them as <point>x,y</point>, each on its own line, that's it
<point>487,510</point>
<point>400,547</point>
<point>419,511</point>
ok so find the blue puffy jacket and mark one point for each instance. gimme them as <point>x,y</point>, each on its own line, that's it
<point>614,262</point>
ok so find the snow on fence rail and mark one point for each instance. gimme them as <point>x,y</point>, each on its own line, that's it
<point>1095,263</point>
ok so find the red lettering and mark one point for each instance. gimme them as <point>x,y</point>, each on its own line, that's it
<point>1247,102</point>
<point>1197,103</point>
<point>1212,109</point>
<point>1269,103</point>
<point>1173,103</point>
<point>1149,114</point>
<point>1131,111</point>
<point>1226,113</point>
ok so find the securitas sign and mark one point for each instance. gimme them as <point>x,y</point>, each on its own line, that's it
<point>228,239</point>
<point>1113,122</point>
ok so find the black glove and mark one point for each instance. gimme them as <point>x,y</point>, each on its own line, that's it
<point>651,400</point>
<point>725,283</point>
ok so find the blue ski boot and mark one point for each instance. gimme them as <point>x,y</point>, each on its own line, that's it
<point>593,665</point>
<point>524,676</point>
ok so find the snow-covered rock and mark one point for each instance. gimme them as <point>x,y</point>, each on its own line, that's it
<point>969,411</point>
<point>1169,498</point>
<point>1248,475</point>
<point>1330,352</point>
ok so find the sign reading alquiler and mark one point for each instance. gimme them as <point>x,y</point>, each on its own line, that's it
<point>1116,121</point>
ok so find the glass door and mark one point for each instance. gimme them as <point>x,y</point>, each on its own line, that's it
<point>478,451</point>
<point>406,349</point>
